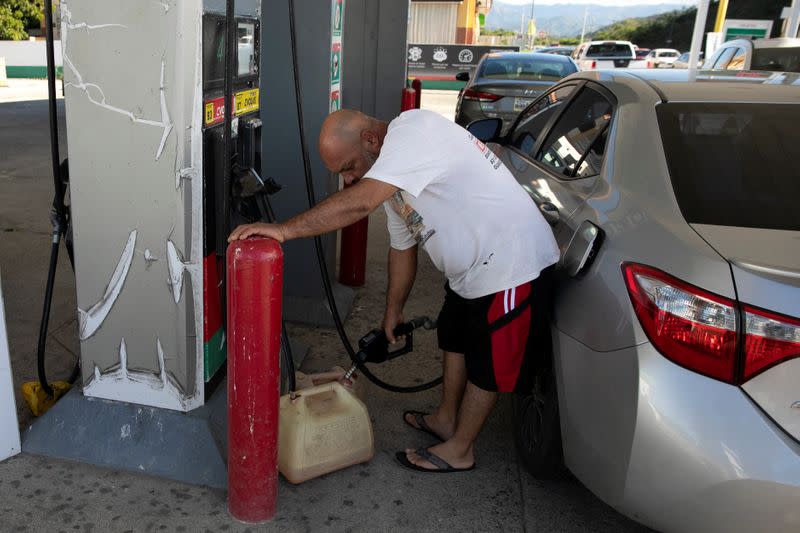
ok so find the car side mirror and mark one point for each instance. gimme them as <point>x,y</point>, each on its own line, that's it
<point>462,76</point>
<point>486,130</point>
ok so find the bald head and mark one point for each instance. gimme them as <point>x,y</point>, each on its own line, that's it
<point>349,142</point>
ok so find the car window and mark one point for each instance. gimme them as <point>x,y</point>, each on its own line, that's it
<point>668,54</point>
<point>724,57</point>
<point>730,163</point>
<point>776,59</point>
<point>610,50</point>
<point>576,143</point>
<point>737,63</point>
<point>534,119</point>
<point>525,68</point>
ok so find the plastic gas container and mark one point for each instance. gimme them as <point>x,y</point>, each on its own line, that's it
<point>323,429</point>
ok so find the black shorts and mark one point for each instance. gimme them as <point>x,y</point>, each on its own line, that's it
<point>504,336</point>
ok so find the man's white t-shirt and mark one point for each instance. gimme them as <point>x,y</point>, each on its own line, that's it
<point>462,205</point>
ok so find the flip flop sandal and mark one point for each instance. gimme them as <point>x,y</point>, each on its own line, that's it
<point>421,424</point>
<point>442,466</point>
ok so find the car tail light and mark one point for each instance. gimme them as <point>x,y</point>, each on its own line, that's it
<point>770,339</point>
<point>472,94</point>
<point>697,329</point>
<point>694,328</point>
<point>649,64</point>
<point>594,64</point>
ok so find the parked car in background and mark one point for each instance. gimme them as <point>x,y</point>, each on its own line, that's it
<point>673,385</point>
<point>506,82</point>
<point>598,55</point>
<point>683,61</point>
<point>560,50</point>
<point>641,53</point>
<point>782,54</point>
<point>662,57</point>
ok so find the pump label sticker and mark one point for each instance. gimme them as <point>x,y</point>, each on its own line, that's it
<point>244,102</point>
<point>215,111</point>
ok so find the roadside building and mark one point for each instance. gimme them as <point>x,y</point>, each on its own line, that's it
<point>446,21</point>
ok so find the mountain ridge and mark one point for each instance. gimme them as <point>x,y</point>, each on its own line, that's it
<point>566,20</point>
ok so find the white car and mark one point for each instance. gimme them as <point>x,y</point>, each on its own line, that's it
<point>597,55</point>
<point>782,54</point>
<point>662,57</point>
<point>683,61</point>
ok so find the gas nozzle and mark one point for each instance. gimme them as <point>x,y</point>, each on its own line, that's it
<point>374,346</point>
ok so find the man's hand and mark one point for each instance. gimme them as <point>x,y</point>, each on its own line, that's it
<point>273,231</point>
<point>391,319</point>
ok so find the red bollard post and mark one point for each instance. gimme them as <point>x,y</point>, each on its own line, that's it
<point>409,99</point>
<point>353,253</point>
<point>417,86</point>
<point>254,285</point>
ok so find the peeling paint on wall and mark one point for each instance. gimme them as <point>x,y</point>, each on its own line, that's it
<point>188,173</point>
<point>149,258</point>
<point>132,386</point>
<point>176,268</point>
<point>81,85</point>
<point>92,319</point>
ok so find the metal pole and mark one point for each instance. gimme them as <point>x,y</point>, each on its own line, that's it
<point>583,30</point>
<point>793,21</point>
<point>533,35</point>
<point>697,36</point>
<point>227,88</point>
<point>722,11</point>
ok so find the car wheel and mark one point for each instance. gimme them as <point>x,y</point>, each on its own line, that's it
<point>537,429</point>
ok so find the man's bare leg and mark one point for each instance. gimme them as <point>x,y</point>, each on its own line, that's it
<point>443,419</point>
<point>458,451</point>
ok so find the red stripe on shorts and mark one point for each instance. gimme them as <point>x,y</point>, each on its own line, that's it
<point>509,342</point>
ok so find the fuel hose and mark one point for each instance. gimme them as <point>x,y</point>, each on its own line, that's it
<point>59,219</point>
<point>323,267</point>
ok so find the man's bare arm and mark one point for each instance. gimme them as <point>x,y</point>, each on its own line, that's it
<point>336,211</point>
<point>402,272</point>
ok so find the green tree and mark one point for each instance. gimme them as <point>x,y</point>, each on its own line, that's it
<point>17,16</point>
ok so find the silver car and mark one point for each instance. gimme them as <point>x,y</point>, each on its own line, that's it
<point>506,82</point>
<point>674,388</point>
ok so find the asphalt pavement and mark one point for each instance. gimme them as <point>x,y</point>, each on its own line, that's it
<point>42,494</point>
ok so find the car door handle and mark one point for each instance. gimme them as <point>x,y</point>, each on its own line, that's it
<point>550,212</point>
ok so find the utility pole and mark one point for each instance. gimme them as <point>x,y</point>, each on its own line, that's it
<point>533,33</point>
<point>583,30</point>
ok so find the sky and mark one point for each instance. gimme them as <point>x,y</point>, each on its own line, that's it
<point>601,2</point>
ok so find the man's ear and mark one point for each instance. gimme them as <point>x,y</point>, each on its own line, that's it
<point>369,139</point>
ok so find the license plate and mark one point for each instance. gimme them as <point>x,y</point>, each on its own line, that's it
<point>521,103</point>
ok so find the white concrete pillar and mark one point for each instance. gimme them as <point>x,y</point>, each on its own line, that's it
<point>697,36</point>
<point>9,427</point>
<point>793,20</point>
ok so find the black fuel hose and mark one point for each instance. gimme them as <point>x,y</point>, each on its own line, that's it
<point>59,217</point>
<point>326,282</point>
<point>286,347</point>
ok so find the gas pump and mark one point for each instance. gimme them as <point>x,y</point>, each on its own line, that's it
<point>228,198</point>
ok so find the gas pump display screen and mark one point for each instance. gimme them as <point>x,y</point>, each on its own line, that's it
<point>247,49</point>
<point>214,50</point>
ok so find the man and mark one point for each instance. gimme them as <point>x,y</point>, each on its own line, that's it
<point>444,190</point>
